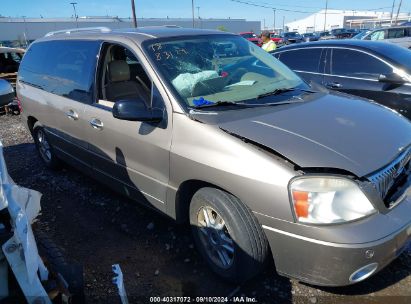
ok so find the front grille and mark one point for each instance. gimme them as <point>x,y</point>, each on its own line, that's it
<point>384,179</point>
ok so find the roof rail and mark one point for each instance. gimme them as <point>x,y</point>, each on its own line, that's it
<point>99,29</point>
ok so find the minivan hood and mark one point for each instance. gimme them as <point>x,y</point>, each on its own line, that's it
<point>327,131</point>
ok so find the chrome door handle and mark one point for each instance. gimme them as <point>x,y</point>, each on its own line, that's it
<point>96,124</point>
<point>334,85</point>
<point>72,115</point>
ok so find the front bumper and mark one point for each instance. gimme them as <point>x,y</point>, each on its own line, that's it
<point>332,263</point>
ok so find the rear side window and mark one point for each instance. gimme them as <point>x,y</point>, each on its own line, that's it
<point>307,60</point>
<point>65,68</point>
<point>396,33</point>
<point>357,64</point>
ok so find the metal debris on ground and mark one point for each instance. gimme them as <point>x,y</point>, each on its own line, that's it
<point>118,280</point>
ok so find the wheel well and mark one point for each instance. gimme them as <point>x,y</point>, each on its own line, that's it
<point>183,198</point>
<point>30,122</point>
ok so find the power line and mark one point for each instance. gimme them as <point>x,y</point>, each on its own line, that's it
<point>319,7</point>
<point>269,6</point>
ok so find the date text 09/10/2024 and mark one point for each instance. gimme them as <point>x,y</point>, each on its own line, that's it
<point>238,299</point>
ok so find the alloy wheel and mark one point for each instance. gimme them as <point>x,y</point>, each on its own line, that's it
<point>44,146</point>
<point>215,237</point>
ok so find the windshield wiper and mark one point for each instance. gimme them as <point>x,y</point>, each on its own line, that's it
<point>290,101</point>
<point>221,103</point>
<point>275,92</point>
<point>281,91</point>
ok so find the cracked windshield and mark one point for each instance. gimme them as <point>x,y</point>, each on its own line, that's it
<point>209,70</point>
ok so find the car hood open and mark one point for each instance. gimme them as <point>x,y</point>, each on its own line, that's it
<point>327,131</point>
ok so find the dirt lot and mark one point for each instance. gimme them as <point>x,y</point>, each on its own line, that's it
<point>99,228</point>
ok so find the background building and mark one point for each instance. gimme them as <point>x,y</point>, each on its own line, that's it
<point>16,31</point>
<point>343,18</point>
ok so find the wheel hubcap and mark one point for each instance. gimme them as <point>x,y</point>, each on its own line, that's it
<point>215,237</point>
<point>44,146</point>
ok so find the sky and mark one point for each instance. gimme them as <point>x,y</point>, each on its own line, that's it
<point>291,10</point>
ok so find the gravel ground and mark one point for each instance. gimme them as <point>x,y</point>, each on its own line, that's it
<point>98,228</point>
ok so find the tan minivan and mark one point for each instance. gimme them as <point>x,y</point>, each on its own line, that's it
<point>209,129</point>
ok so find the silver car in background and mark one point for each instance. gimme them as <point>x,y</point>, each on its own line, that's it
<point>209,129</point>
<point>400,35</point>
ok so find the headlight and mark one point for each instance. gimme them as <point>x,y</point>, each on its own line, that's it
<point>327,200</point>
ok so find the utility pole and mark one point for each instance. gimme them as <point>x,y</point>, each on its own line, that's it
<point>75,12</point>
<point>325,16</point>
<point>199,19</point>
<point>133,10</point>
<point>192,11</point>
<point>398,12</point>
<point>392,11</point>
<point>274,20</point>
<point>25,31</point>
<point>283,24</point>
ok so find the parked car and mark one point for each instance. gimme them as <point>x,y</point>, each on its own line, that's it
<point>361,34</point>
<point>322,35</point>
<point>310,37</point>
<point>10,59</point>
<point>257,161</point>
<point>250,36</point>
<point>6,93</point>
<point>9,63</point>
<point>381,72</point>
<point>340,33</point>
<point>292,37</point>
<point>400,35</point>
<point>8,102</point>
<point>278,39</point>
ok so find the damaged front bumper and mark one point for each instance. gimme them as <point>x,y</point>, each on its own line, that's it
<point>339,255</point>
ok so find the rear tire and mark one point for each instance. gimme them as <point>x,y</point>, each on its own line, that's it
<point>44,148</point>
<point>234,246</point>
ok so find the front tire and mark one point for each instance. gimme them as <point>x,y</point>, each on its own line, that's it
<point>44,148</point>
<point>227,235</point>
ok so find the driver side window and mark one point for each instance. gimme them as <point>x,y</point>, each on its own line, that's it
<point>121,77</point>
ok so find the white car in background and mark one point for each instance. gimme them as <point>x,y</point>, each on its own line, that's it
<point>400,35</point>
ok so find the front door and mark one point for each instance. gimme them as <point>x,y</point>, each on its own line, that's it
<point>130,156</point>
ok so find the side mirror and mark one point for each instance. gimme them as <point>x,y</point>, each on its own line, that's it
<point>6,93</point>
<point>391,78</point>
<point>136,110</point>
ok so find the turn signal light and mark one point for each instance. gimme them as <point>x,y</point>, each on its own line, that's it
<point>301,203</point>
